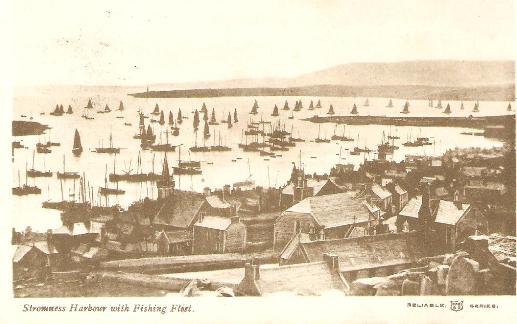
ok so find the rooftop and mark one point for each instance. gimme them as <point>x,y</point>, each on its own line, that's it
<point>214,222</point>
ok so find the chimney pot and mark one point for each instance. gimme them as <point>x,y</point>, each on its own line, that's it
<point>256,270</point>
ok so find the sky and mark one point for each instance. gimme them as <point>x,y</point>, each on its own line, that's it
<point>145,42</point>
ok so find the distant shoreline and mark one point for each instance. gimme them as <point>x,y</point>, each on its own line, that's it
<point>411,92</point>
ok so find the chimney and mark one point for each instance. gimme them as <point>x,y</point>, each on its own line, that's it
<point>206,191</point>
<point>322,234</point>
<point>49,238</point>
<point>256,271</point>
<point>332,261</point>
<point>457,201</point>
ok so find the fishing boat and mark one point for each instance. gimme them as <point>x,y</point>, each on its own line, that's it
<point>139,176</point>
<point>447,109</point>
<point>195,122</point>
<point>406,108</point>
<point>107,109</point>
<point>206,131</point>
<point>86,114</point>
<point>164,147</point>
<point>439,104</point>
<point>476,107</point>
<point>462,106</point>
<point>162,118</point>
<point>318,105</point>
<point>204,110</point>
<point>156,110</point>
<point>175,129</point>
<point>128,124</point>
<point>205,116</point>
<point>509,108</point>
<point>230,125</point>
<point>298,105</point>
<point>275,111</point>
<point>57,111</point>
<point>89,105</point>
<point>43,148</point>
<point>341,138</point>
<point>121,106</point>
<point>108,150</point>
<point>254,109</point>
<point>354,110</point>
<point>219,147</point>
<point>385,147</point>
<point>196,148</point>
<point>311,106</point>
<point>319,139</point>
<point>171,118</point>
<point>67,174</point>
<point>77,148</point>
<point>390,104</point>
<point>25,189</point>
<point>17,145</point>
<point>235,119</point>
<point>106,190</point>
<point>180,117</point>
<point>69,110</point>
<point>213,121</point>
<point>331,110</point>
<point>186,169</point>
<point>286,106</point>
<point>366,103</point>
<point>33,173</point>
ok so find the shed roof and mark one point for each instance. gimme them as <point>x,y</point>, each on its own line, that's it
<point>215,202</point>
<point>179,210</point>
<point>44,247</point>
<point>19,251</point>
<point>367,251</point>
<point>380,191</point>
<point>333,210</point>
<point>214,222</point>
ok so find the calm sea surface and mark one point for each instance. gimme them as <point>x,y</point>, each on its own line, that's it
<point>222,170</point>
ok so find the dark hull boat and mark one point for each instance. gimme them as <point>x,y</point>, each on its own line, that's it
<point>171,118</point>
<point>136,177</point>
<point>275,111</point>
<point>156,110</point>
<point>318,105</point>
<point>311,106</point>
<point>354,110</point>
<point>286,106</point>
<point>235,119</point>
<point>331,110</point>
<point>476,107</point>
<point>406,108</point>
<point>77,149</point>
<point>213,121</point>
<point>180,117</point>
<point>108,150</point>
<point>447,109</point>
<point>121,106</point>
<point>32,173</point>
<point>111,191</point>
<point>163,148</point>
<point>26,190</point>
<point>162,118</point>
<point>43,149</point>
<point>57,111</point>
<point>68,175</point>
<point>509,108</point>
<point>89,105</point>
<point>254,109</point>
<point>69,110</point>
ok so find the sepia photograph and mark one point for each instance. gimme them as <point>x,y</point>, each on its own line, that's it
<point>257,149</point>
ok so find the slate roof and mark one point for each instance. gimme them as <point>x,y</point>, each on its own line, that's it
<point>444,212</point>
<point>301,279</point>
<point>333,210</point>
<point>214,222</point>
<point>44,247</point>
<point>367,251</point>
<point>316,184</point>
<point>380,191</point>
<point>216,202</point>
<point>179,210</point>
<point>19,251</point>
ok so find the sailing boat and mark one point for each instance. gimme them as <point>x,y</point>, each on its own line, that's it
<point>78,148</point>
<point>366,103</point>
<point>462,106</point>
<point>354,110</point>
<point>319,139</point>
<point>175,129</point>
<point>69,110</point>
<point>254,109</point>
<point>195,123</point>
<point>156,110</point>
<point>235,119</point>
<point>286,106</point>
<point>121,106</point>
<point>230,120</point>
<point>476,107</point>
<point>164,147</point>
<point>89,105</point>
<point>171,118</point>
<point>447,109</point>
<point>189,167</point>
<point>213,121</point>
<point>206,131</point>
<point>342,138</point>
<point>311,106</point>
<point>297,106</point>
<point>162,118</point>
<point>318,105</point>
<point>25,189</point>
<point>331,110</point>
<point>33,173</point>
<point>275,112</point>
<point>292,116</point>
<point>65,174</point>
<point>509,108</point>
<point>439,104</point>
<point>179,120</point>
<point>406,108</point>
<point>106,191</point>
<point>203,109</point>
<point>390,104</point>
<point>205,116</point>
<point>107,109</point>
<point>110,149</point>
<point>57,111</point>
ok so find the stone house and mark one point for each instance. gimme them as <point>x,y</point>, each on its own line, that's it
<point>216,234</point>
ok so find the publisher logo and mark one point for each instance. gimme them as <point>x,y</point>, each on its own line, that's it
<point>456,305</point>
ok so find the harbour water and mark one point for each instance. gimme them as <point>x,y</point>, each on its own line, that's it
<point>219,168</point>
